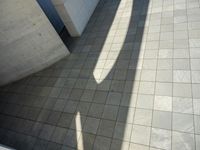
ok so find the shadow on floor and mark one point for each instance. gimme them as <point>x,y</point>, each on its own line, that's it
<point>85,101</point>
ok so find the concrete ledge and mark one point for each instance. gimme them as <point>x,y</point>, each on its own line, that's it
<point>29,42</point>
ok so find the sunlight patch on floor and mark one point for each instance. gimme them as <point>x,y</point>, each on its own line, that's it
<point>117,37</point>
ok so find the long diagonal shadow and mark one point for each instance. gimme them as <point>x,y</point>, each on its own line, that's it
<point>122,42</point>
<point>101,74</point>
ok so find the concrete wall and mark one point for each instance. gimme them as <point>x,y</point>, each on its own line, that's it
<point>75,14</point>
<point>28,42</point>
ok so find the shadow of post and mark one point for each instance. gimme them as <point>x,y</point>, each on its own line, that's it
<point>121,74</point>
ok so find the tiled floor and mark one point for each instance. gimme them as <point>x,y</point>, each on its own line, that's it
<point>132,82</point>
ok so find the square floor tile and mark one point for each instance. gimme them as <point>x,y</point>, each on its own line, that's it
<point>148,75</point>
<point>59,105</point>
<point>83,107</point>
<point>140,134</point>
<point>71,138</point>
<point>163,103</point>
<point>196,105</point>
<point>161,139</point>
<point>91,125</point>
<point>143,117</point>
<point>149,64</point>
<point>88,141</point>
<point>110,112</point>
<point>181,64</point>
<point>183,141</point>
<point>183,122</point>
<point>40,144</point>
<point>131,87</point>
<point>71,106</point>
<point>100,97</point>
<point>65,93</point>
<point>114,98</point>
<point>197,124</point>
<point>50,103</point>
<point>78,122</point>
<point>125,114</point>
<point>163,88</point>
<point>59,135</point>
<point>53,117</point>
<point>195,77</point>
<point>146,87</point>
<point>195,64</point>
<point>162,119</point>
<point>76,94</point>
<point>182,90</point>
<point>106,128</point>
<point>128,100</point>
<point>194,53</point>
<point>122,131</point>
<point>165,53</point>
<point>181,53</point>
<point>91,84</point>
<point>105,86</point>
<point>117,86</point>
<point>164,64</point>
<point>55,92</point>
<point>54,146</point>
<point>46,132</point>
<point>118,144</point>
<point>195,90</point>
<point>150,54</point>
<point>182,105</point>
<point>166,35</point>
<point>145,101</point>
<point>164,76</point>
<point>96,110</point>
<point>43,116</point>
<point>65,120</point>
<point>102,143</point>
<point>197,137</point>
<point>181,76</point>
<point>181,34</point>
<point>180,43</point>
<point>87,95</point>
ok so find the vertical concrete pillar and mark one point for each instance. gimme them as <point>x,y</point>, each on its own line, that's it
<point>75,14</point>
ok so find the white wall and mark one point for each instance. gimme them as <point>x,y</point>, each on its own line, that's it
<point>75,14</point>
<point>28,42</point>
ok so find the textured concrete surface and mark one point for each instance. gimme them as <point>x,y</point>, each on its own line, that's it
<point>131,83</point>
<point>75,14</point>
<point>28,42</point>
